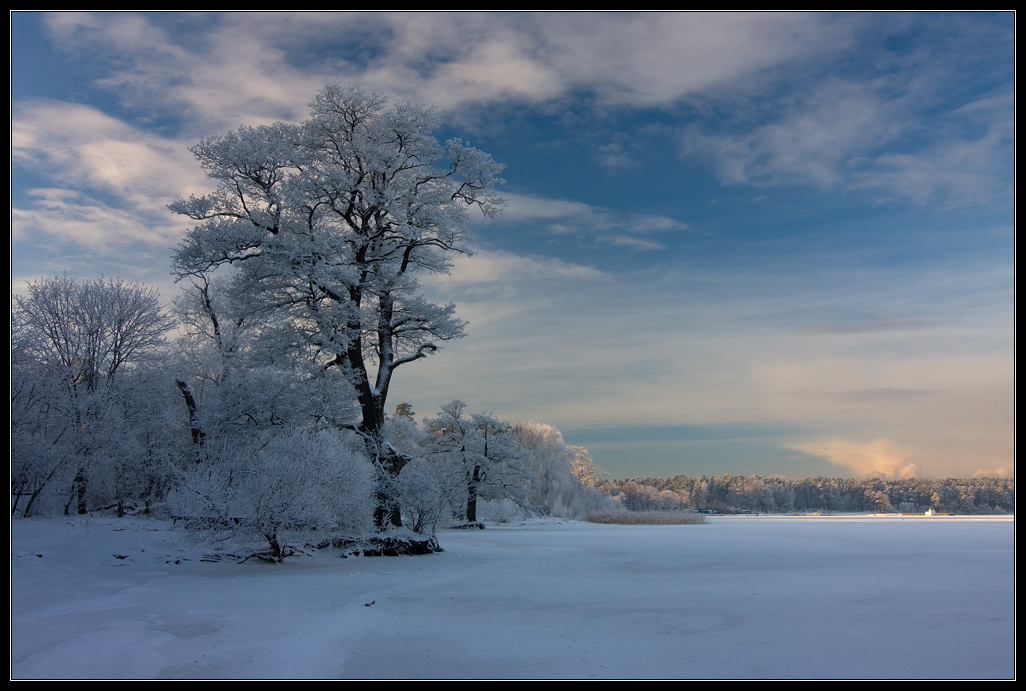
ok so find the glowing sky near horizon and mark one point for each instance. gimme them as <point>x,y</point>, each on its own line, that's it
<point>734,242</point>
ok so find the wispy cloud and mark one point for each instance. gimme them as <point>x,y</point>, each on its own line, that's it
<point>901,128</point>
<point>207,72</point>
<point>79,146</point>
<point>865,326</point>
<point>489,267</point>
<point>590,223</point>
<point>106,186</point>
<point>793,120</point>
<point>885,394</point>
<point>87,222</point>
<point>811,138</point>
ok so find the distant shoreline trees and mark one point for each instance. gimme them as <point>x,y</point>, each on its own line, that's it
<point>778,494</point>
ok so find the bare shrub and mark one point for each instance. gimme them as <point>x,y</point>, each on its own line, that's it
<point>624,517</point>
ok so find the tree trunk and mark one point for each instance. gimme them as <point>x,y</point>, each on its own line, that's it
<point>80,486</point>
<point>388,512</point>
<point>198,435</point>
<point>472,495</point>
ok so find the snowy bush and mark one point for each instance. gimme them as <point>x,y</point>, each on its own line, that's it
<point>428,495</point>
<point>503,511</point>
<point>296,485</point>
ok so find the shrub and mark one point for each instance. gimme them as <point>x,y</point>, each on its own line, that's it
<point>624,517</point>
<point>298,485</point>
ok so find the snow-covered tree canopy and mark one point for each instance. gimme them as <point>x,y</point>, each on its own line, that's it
<point>479,449</point>
<point>328,221</point>
<point>91,329</point>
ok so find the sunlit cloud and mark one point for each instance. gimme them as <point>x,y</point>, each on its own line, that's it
<point>877,457</point>
<point>993,472</point>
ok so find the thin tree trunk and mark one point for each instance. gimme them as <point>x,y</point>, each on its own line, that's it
<point>198,435</point>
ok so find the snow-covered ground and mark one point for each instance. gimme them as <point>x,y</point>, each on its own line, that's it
<point>740,597</point>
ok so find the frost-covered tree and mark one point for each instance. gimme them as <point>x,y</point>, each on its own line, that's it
<point>233,381</point>
<point>89,427</point>
<point>327,224</point>
<point>216,331</point>
<point>110,449</point>
<point>89,330</point>
<point>270,460</point>
<point>479,453</point>
<point>429,493</point>
<point>584,466</point>
<point>554,488</point>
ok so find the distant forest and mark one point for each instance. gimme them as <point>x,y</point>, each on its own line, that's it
<point>776,494</point>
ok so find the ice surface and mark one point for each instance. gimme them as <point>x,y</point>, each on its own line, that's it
<point>776,597</point>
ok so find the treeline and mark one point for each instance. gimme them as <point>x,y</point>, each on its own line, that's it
<point>109,415</point>
<point>777,494</point>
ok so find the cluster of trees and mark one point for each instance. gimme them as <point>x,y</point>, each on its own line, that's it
<point>777,494</point>
<point>267,413</point>
<point>91,425</point>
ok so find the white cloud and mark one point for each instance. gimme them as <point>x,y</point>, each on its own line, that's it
<point>486,267</point>
<point>593,223</point>
<point>233,65</point>
<point>108,184</point>
<point>651,59</point>
<point>81,147</point>
<point>74,216</point>
<point>911,128</point>
<point>951,172</point>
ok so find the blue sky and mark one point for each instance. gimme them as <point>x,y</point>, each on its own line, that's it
<point>734,242</point>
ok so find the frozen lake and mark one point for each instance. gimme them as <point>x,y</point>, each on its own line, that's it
<point>763,597</point>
